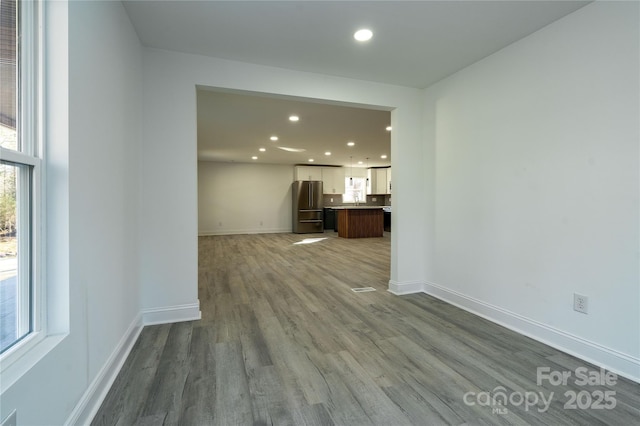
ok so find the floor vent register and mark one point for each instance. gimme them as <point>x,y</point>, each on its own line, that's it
<point>362,289</point>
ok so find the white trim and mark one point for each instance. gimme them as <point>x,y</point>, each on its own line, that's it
<point>18,157</point>
<point>246,231</point>
<point>170,314</point>
<point>18,363</point>
<point>406,287</point>
<point>96,392</point>
<point>88,405</point>
<point>620,363</point>
<point>610,359</point>
<point>30,98</point>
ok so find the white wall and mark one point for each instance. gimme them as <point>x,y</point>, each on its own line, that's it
<point>169,197</point>
<point>537,184</point>
<point>93,230</point>
<point>105,99</point>
<point>237,198</point>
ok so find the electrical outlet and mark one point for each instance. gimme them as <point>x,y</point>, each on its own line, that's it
<point>11,419</point>
<point>332,200</point>
<point>580,303</point>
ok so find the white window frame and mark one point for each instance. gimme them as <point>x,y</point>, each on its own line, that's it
<point>347,198</point>
<point>30,110</point>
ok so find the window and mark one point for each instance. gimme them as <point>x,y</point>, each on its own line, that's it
<point>355,190</point>
<point>19,171</point>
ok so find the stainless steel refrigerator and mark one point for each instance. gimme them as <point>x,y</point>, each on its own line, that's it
<point>307,206</point>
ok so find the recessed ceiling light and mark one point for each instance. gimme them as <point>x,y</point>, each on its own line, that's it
<point>327,153</point>
<point>294,118</point>
<point>262,149</point>
<point>274,138</point>
<point>363,35</point>
<point>388,128</point>
<point>359,162</point>
<point>311,160</point>
<point>254,158</point>
<point>351,143</point>
<point>383,156</point>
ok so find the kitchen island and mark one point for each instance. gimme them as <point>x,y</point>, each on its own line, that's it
<point>360,221</point>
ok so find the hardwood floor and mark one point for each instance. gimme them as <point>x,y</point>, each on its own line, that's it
<point>283,340</point>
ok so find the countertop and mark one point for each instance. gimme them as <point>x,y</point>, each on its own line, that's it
<point>360,207</point>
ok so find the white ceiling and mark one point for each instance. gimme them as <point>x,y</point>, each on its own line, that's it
<point>415,44</point>
<point>233,127</point>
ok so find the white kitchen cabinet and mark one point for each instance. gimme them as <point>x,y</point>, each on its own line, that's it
<point>333,180</point>
<point>308,173</point>
<point>370,173</point>
<point>356,172</point>
<point>388,185</point>
<point>379,181</point>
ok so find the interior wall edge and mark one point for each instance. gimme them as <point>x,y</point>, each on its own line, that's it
<point>171,314</point>
<point>400,288</point>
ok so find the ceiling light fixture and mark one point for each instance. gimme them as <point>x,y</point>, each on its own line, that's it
<point>254,158</point>
<point>388,129</point>
<point>359,162</point>
<point>294,118</point>
<point>351,143</point>
<point>286,148</point>
<point>384,156</point>
<point>311,160</point>
<point>262,149</point>
<point>274,138</point>
<point>327,153</point>
<point>363,35</point>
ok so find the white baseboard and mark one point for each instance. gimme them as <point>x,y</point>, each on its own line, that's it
<point>245,231</point>
<point>170,314</point>
<point>602,356</point>
<point>97,390</point>
<point>405,287</point>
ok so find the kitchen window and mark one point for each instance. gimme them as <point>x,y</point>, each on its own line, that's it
<point>355,190</point>
<point>20,292</point>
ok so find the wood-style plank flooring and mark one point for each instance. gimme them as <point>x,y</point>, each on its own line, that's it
<point>283,340</point>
